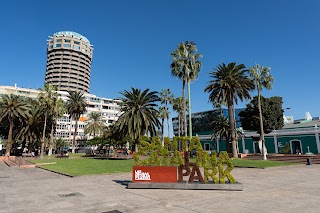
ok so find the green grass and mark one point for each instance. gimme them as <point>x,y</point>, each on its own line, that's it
<point>259,163</point>
<point>75,155</point>
<point>76,166</point>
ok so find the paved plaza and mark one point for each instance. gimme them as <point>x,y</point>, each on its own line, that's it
<point>285,189</point>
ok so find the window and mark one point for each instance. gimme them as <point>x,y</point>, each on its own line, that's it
<point>51,46</point>
<point>58,45</point>
<point>67,45</point>
<point>67,41</point>
<point>76,47</point>
<point>59,40</point>
<point>76,42</point>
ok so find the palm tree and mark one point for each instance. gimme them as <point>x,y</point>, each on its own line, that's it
<point>13,107</point>
<point>262,79</point>
<point>57,111</point>
<point>95,124</point>
<point>31,130</point>
<point>177,106</point>
<point>75,106</point>
<point>229,84</point>
<point>59,144</point>
<point>46,99</point>
<point>163,114</point>
<point>186,66</point>
<point>166,97</point>
<point>139,113</point>
<point>221,129</point>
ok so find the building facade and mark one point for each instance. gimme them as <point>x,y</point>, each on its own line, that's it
<point>201,121</point>
<point>299,136</point>
<point>69,57</point>
<point>109,108</point>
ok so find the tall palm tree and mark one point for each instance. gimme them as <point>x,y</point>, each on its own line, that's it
<point>163,114</point>
<point>57,111</point>
<point>139,113</point>
<point>75,106</point>
<point>230,83</point>
<point>95,124</point>
<point>166,97</point>
<point>186,66</point>
<point>221,129</point>
<point>46,99</point>
<point>13,107</point>
<point>262,79</point>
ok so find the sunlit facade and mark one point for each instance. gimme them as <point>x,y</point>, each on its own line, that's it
<point>109,108</point>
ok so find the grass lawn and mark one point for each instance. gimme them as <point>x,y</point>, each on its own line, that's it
<point>259,163</point>
<point>76,166</point>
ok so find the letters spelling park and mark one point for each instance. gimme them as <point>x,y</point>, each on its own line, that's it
<point>215,170</point>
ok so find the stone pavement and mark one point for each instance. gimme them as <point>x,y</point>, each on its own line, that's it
<point>285,189</point>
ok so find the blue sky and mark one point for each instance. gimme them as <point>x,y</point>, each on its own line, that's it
<point>133,41</point>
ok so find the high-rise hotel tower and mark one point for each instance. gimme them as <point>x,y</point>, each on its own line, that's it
<point>69,57</point>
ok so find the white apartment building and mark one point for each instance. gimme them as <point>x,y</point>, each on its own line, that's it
<point>109,108</point>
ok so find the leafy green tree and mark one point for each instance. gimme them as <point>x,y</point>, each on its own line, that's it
<point>262,79</point>
<point>12,108</point>
<point>95,124</point>
<point>186,66</point>
<point>75,106</point>
<point>230,83</point>
<point>166,97</point>
<point>139,113</point>
<point>46,99</point>
<point>272,115</point>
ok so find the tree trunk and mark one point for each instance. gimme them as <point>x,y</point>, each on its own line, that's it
<point>185,115</point>
<point>43,134</point>
<point>136,147</point>
<point>74,136</point>
<point>184,108</point>
<point>179,124</point>
<point>30,145</point>
<point>146,132</point>
<point>263,147</point>
<point>162,128</point>
<point>168,127</point>
<point>51,140</point>
<point>228,147</point>
<point>232,125</point>
<point>8,147</point>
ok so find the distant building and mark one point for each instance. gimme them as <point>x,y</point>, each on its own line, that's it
<point>108,107</point>
<point>298,136</point>
<point>201,121</point>
<point>69,57</point>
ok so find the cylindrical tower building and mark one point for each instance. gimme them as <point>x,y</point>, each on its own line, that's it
<point>69,57</point>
